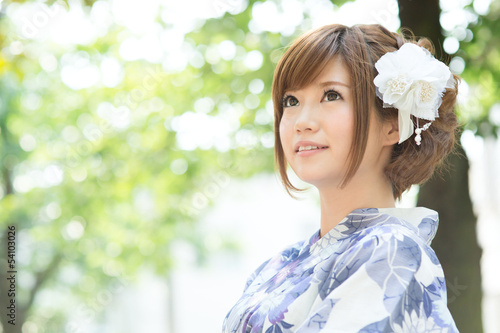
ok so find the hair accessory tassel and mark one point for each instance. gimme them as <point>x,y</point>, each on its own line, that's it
<point>418,130</point>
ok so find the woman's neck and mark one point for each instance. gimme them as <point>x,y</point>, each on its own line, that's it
<point>360,192</point>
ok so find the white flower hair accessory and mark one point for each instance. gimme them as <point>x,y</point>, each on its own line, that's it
<point>412,81</point>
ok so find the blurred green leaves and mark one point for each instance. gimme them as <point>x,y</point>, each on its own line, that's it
<point>94,173</point>
<point>479,49</point>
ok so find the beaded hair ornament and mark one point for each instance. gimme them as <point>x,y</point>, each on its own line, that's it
<point>412,81</point>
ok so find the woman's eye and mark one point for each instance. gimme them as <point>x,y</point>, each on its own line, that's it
<point>290,101</point>
<point>332,95</point>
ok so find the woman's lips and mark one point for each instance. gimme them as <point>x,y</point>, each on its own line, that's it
<point>305,153</point>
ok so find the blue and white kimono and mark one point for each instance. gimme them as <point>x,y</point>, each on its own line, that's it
<point>374,272</point>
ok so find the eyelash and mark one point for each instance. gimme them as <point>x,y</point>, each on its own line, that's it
<point>325,92</point>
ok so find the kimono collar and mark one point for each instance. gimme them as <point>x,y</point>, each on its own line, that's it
<point>421,220</point>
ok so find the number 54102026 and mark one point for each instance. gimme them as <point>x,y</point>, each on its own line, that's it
<point>11,247</point>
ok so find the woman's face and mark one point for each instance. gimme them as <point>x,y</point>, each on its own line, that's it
<point>322,115</point>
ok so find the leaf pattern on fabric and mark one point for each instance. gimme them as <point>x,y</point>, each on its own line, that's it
<point>392,266</point>
<point>311,286</point>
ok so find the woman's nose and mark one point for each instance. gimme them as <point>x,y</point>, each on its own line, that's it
<point>307,119</point>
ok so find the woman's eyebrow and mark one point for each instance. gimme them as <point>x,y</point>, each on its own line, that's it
<point>321,85</point>
<point>329,83</point>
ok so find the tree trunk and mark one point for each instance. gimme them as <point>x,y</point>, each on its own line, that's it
<point>422,17</point>
<point>456,241</point>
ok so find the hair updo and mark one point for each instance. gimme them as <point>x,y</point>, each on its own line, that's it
<point>360,47</point>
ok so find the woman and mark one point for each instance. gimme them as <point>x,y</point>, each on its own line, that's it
<point>362,114</point>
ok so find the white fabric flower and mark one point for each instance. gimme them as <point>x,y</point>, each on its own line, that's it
<point>413,81</point>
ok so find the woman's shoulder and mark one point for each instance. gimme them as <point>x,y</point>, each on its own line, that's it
<point>281,258</point>
<point>398,238</point>
<point>400,235</point>
<point>417,224</point>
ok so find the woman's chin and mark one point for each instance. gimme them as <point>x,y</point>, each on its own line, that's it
<point>317,180</point>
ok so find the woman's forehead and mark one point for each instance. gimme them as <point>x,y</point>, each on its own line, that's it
<point>335,72</point>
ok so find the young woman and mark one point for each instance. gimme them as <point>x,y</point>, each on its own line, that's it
<point>362,114</point>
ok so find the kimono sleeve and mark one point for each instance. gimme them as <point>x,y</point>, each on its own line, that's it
<point>254,274</point>
<point>389,281</point>
<point>272,265</point>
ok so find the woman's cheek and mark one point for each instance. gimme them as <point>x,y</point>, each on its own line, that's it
<point>285,134</point>
<point>285,123</point>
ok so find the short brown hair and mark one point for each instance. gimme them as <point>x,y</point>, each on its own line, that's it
<point>360,46</point>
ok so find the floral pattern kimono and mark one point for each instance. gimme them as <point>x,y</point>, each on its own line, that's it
<point>374,272</point>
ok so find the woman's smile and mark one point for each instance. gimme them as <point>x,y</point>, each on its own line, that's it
<point>310,152</point>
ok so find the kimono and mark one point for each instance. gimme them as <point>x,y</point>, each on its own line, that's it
<point>373,272</point>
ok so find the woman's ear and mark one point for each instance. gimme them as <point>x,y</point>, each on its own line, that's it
<point>391,131</point>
